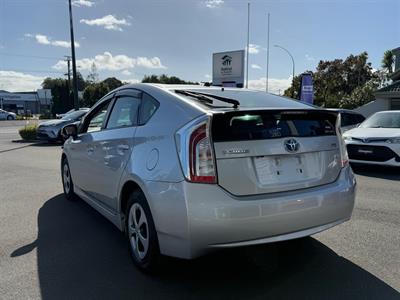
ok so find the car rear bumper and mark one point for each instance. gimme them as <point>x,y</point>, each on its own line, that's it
<point>193,219</point>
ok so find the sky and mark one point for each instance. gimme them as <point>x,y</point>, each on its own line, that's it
<point>128,39</point>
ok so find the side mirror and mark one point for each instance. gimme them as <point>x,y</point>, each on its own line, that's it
<point>70,130</point>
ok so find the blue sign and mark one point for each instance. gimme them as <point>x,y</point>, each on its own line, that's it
<point>306,88</point>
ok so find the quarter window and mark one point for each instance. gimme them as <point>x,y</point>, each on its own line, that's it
<point>124,112</point>
<point>147,109</point>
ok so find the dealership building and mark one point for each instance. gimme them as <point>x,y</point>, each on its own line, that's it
<point>26,102</point>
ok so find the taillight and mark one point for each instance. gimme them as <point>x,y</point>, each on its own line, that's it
<point>201,160</point>
<point>196,152</point>
<point>344,157</point>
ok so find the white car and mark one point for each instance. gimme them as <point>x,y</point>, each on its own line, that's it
<point>376,141</point>
<point>6,115</point>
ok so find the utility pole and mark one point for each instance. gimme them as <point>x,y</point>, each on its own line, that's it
<point>248,44</point>
<point>75,78</point>
<point>266,83</point>
<point>68,60</point>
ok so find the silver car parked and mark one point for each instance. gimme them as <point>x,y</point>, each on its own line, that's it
<point>184,170</point>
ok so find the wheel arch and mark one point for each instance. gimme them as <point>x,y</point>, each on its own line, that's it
<point>127,189</point>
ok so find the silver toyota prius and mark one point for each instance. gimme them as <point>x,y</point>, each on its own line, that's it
<point>185,170</point>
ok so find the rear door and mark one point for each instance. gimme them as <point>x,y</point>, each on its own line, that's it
<point>269,151</point>
<point>113,146</point>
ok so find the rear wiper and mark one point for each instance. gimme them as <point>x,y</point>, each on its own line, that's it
<point>194,95</point>
<point>208,97</point>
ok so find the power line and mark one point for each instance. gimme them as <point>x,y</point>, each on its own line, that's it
<point>29,56</point>
<point>35,71</point>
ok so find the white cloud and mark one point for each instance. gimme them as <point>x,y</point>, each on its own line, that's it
<point>108,22</point>
<point>132,80</point>
<point>254,49</point>
<point>45,40</point>
<point>208,76</point>
<point>150,63</point>
<point>126,72</point>
<point>254,66</point>
<point>213,3</point>
<point>107,61</point>
<point>275,86</point>
<point>42,39</point>
<point>80,3</point>
<point>19,82</point>
<point>309,57</point>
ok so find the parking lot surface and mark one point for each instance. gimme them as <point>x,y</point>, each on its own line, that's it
<point>51,248</point>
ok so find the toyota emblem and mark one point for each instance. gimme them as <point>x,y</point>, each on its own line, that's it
<point>292,145</point>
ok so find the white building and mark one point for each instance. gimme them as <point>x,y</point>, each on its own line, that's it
<point>26,102</point>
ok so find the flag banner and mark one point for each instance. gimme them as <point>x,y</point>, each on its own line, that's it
<point>306,88</point>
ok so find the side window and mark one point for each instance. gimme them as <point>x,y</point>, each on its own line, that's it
<point>360,119</point>
<point>148,108</point>
<point>95,121</point>
<point>124,112</point>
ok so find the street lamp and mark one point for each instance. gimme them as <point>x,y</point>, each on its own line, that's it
<point>75,78</point>
<point>291,56</point>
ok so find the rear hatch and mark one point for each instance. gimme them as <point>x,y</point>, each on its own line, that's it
<point>269,151</point>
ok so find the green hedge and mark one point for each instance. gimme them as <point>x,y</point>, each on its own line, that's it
<point>28,132</point>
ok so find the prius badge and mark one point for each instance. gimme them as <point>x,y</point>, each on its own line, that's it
<point>291,145</point>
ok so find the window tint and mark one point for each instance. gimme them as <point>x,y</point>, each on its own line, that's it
<point>96,120</point>
<point>124,112</point>
<point>360,119</point>
<point>268,125</point>
<point>348,119</point>
<point>147,109</point>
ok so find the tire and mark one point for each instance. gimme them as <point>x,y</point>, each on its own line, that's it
<point>10,118</point>
<point>140,231</point>
<point>68,185</point>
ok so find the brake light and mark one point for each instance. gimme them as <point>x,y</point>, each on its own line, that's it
<point>344,157</point>
<point>196,152</point>
<point>201,161</point>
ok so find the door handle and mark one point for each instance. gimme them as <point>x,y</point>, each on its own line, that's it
<point>90,150</point>
<point>123,147</point>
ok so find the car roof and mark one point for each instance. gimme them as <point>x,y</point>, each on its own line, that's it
<point>241,94</point>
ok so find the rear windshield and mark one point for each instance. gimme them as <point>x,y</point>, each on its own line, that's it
<point>260,125</point>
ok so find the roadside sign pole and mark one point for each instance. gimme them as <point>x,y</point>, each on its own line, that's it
<point>248,44</point>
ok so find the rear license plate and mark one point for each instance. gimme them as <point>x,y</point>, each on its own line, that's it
<point>278,168</point>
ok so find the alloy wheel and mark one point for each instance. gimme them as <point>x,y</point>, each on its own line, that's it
<point>138,230</point>
<point>66,178</point>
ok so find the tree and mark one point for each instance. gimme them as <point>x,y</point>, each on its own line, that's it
<point>337,79</point>
<point>95,91</point>
<point>112,83</point>
<point>165,79</point>
<point>93,76</point>
<point>59,90</point>
<point>361,95</point>
<point>388,61</point>
<point>294,90</point>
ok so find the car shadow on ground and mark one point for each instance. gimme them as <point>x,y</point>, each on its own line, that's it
<point>81,255</point>
<point>383,172</point>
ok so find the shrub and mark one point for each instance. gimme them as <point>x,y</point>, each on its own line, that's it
<point>46,115</point>
<point>28,132</point>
